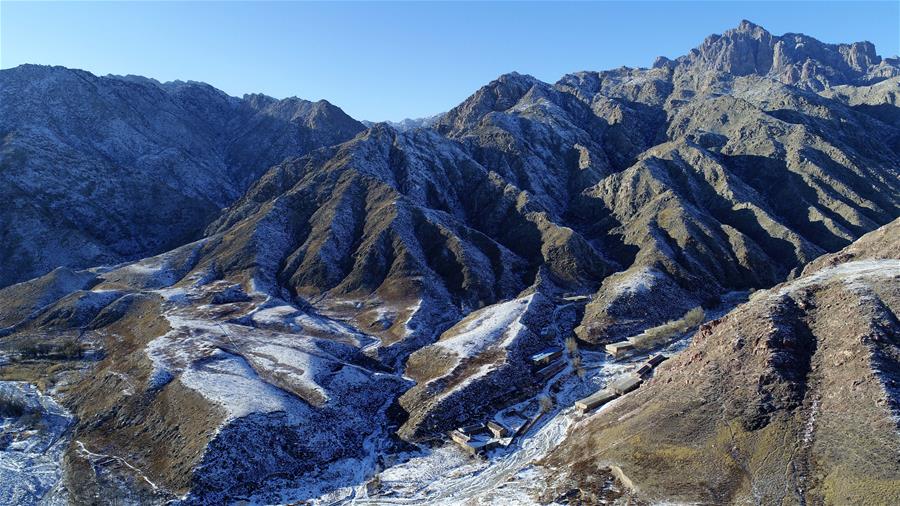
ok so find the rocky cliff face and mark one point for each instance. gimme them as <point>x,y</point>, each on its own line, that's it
<point>351,290</point>
<point>792,58</point>
<point>105,169</point>
<point>792,397</point>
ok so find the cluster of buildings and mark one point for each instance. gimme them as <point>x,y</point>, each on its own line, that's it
<point>479,438</point>
<point>620,387</point>
<point>547,363</point>
<point>620,348</point>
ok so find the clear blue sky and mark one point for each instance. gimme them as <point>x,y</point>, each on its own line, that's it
<point>394,60</point>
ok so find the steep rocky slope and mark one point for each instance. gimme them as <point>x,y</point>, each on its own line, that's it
<point>792,398</point>
<point>391,284</point>
<point>689,188</point>
<point>105,169</point>
<point>792,58</point>
<point>395,217</point>
<point>751,178</point>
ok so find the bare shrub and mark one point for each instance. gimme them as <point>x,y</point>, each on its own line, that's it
<point>579,369</point>
<point>36,350</point>
<point>545,402</point>
<point>575,355</point>
<point>571,346</point>
<point>70,349</point>
<point>11,407</point>
<point>659,335</point>
<point>375,483</point>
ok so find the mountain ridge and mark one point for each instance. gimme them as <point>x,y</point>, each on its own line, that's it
<point>187,141</point>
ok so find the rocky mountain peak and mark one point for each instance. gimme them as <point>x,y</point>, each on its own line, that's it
<point>324,113</point>
<point>319,115</point>
<point>498,95</point>
<point>750,27</point>
<point>258,100</point>
<point>861,55</point>
<point>662,61</point>
<point>792,58</point>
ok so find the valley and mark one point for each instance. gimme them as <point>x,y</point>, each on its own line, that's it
<point>305,308</point>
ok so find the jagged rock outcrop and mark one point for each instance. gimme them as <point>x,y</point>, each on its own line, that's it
<point>100,170</point>
<point>791,58</point>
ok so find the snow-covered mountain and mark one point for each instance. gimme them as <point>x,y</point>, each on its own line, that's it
<point>408,123</point>
<point>330,300</point>
<point>106,169</point>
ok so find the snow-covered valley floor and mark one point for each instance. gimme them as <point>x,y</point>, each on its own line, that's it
<point>447,476</point>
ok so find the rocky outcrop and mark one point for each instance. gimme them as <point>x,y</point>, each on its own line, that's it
<point>791,58</point>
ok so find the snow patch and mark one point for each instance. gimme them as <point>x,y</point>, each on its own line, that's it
<point>853,274</point>
<point>229,381</point>
<point>31,453</point>
<point>640,281</point>
<point>489,325</point>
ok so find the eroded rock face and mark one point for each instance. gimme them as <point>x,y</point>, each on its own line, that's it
<point>802,377</point>
<point>791,58</point>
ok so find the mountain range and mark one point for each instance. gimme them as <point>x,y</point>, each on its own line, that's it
<point>100,170</point>
<point>254,299</point>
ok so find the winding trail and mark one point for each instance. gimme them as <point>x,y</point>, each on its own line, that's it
<point>100,459</point>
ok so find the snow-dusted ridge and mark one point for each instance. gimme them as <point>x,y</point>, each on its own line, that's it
<point>359,293</point>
